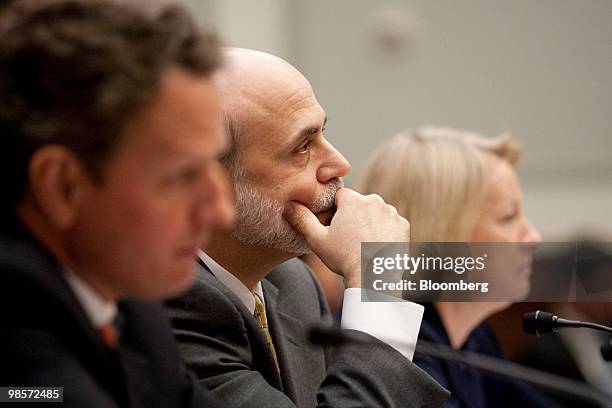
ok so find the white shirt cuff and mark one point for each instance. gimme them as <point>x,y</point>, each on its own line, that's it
<point>391,320</point>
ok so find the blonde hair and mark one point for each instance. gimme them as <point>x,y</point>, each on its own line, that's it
<point>434,177</point>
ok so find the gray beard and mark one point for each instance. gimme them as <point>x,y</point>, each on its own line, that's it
<point>261,223</point>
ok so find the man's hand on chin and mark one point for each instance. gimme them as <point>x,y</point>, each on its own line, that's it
<point>357,219</point>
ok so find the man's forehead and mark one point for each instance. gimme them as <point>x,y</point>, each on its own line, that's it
<point>282,118</point>
<point>281,101</point>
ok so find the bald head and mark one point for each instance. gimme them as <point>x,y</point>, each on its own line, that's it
<point>255,86</point>
<point>251,77</point>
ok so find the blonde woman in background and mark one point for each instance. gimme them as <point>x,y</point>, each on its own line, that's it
<point>457,186</point>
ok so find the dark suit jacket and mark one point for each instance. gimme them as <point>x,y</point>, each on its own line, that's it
<point>469,387</point>
<point>223,343</point>
<point>47,340</point>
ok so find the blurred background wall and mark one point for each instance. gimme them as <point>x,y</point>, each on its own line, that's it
<point>542,70</point>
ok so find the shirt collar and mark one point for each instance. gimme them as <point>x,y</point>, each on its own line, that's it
<point>233,283</point>
<point>99,311</point>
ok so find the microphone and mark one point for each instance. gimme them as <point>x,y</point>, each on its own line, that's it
<point>325,335</point>
<point>541,323</point>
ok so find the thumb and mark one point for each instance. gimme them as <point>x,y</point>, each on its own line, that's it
<point>304,221</point>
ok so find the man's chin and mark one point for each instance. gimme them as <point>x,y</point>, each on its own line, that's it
<point>298,251</point>
<point>291,244</point>
<point>294,250</point>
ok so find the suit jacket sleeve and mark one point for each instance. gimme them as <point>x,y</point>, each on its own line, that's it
<point>218,345</point>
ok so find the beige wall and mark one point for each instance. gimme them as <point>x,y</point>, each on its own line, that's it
<point>542,69</point>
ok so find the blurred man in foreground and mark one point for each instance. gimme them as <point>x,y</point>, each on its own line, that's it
<point>244,327</point>
<point>110,129</point>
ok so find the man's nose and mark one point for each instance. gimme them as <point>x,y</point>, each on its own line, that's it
<point>334,165</point>
<point>216,208</point>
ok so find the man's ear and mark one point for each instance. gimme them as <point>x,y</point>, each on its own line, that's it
<point>55,178</point>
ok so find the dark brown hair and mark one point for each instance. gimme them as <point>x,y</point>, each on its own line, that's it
<point>73,71</point>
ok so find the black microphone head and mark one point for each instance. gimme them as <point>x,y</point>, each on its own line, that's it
<point>539,323</point>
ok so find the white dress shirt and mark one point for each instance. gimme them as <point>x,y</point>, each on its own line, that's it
<point>99,311</point>
<point>395,322</point>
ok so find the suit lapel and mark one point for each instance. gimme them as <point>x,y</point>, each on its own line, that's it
<point>137,375</point>
<point>205,275</point>
<point>263,361</point>
<point>134,365</point>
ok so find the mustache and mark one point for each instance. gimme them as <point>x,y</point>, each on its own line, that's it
<point>327,200</point>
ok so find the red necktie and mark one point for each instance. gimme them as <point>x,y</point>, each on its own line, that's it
<point>108,334</point>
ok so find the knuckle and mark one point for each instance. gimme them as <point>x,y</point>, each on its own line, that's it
<point>376,198</point>
<point>404,221</point>
<point>407,224</point>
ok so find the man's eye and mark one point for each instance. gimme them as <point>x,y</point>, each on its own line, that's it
<point>304,148</point>
<point>186,176</point>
